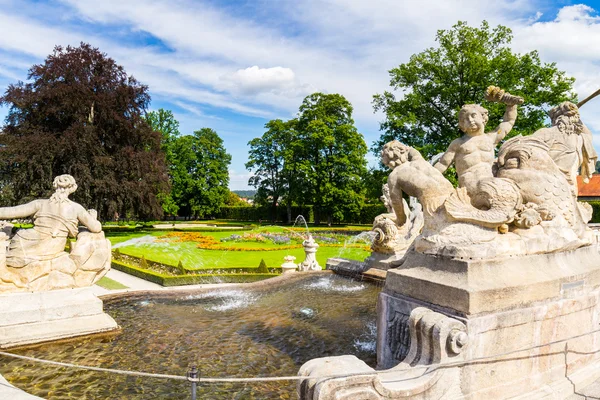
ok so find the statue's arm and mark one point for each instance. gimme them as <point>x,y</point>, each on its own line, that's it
<point>508,121</point>
<point>588,165</point>
<point>89,221</point>
<point>447,159</point>
<point>396,198</point>
<point>22,211</point>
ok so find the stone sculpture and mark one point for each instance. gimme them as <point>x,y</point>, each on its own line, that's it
<point>503,266</point>
<point>35,259</point>
<point>570,143</point>
<point>310,262</point>
<point>289,265</point>
<point>526,208</point>
<point>473,153</point>
<point>392,238</point>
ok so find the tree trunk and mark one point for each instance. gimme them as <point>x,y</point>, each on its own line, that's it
<point>274,210</point>
<point>289,212</point>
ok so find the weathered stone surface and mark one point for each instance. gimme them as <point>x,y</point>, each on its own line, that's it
<point>27,318</point>
<point>478,286</point>
<point>9,392</point>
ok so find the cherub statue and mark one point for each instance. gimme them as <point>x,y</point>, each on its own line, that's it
<point>414,175</point>
<point>473,153</point>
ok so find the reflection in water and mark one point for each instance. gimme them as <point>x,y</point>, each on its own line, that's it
<point>228,333</point>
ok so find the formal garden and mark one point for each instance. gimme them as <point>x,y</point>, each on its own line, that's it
<point>219,251</point>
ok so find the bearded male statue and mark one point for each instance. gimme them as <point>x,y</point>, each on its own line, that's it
<point>570,143</point>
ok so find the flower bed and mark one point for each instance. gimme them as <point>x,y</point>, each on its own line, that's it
<point>280,241</point>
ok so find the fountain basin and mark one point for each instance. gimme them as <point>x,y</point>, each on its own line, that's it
<point>261,330</point>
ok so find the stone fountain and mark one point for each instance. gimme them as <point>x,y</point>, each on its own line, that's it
<point>45,292</point>
<point>498,297</point>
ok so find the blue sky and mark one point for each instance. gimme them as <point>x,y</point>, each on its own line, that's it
<point>233,65</point>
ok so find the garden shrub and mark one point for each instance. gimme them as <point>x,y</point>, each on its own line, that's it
<point>171,270</point>
<point>262,267</point>
<point>177,280</point>
<point>366,214</point>
<point>596,214</point>
<point>180,268</point>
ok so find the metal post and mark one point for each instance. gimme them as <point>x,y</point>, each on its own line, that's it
<point>193,374</point>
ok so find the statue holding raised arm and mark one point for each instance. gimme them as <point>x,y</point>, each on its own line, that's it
<point>36,258</point>
<point>473,153</point>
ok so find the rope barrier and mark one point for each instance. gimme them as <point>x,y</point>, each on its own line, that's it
<point>431,367</point>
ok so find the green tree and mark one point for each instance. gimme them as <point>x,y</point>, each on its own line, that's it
<point>333,155</point>
<point>164,121</point>
<point>233,199</point>
<point>266,158</point>
<point>81,114</point>
<point>200,173</point>
<point>438,81</point>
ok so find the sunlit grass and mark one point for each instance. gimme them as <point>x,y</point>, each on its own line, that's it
<point>171,252</point>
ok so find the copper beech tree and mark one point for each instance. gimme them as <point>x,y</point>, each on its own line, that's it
<point>79,113</point>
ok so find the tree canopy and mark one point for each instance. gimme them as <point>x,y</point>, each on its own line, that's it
<point>81,114</point>
<point>266,157</point>
<point>435,83</point>
<point>334,153</point>
<point>200,175</point>
<point>317,158</point>
<point>164,122</point>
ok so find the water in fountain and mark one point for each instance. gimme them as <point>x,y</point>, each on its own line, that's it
<point>363,237</point>
<point>300,218</point>
<point>148,239</point>
<point>230,333</point>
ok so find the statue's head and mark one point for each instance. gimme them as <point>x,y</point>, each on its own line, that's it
<point>394,153</point>
<point>566,118</point>
<point>64,185</point>
<point>472,119</point>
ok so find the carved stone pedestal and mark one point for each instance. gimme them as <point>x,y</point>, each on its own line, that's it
<point>510,328</point>
<point>28,318</point>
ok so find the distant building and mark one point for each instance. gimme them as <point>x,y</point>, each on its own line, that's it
<point>589,191</point>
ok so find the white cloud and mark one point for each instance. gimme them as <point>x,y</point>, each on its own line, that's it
<point>203,56</point>
<point>254,80</point>
<point>577,12</point>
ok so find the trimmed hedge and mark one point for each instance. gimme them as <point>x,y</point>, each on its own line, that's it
<point>369,211</point>
<point>178,280</point>
<point>366,215</point>
<point>264,213</point>
<point>596,207</point>
<point>178,269</point>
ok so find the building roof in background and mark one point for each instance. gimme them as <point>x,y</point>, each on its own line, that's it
<point>590,189</point>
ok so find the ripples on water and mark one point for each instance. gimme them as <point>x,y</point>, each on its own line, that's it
<point>228,333</point>
<point>335,285</point>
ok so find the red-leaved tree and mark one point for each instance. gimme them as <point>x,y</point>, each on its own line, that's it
<point>79,113</point>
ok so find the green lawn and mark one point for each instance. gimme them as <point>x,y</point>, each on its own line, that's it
<point>170,252</point>
<point>110,284</point>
